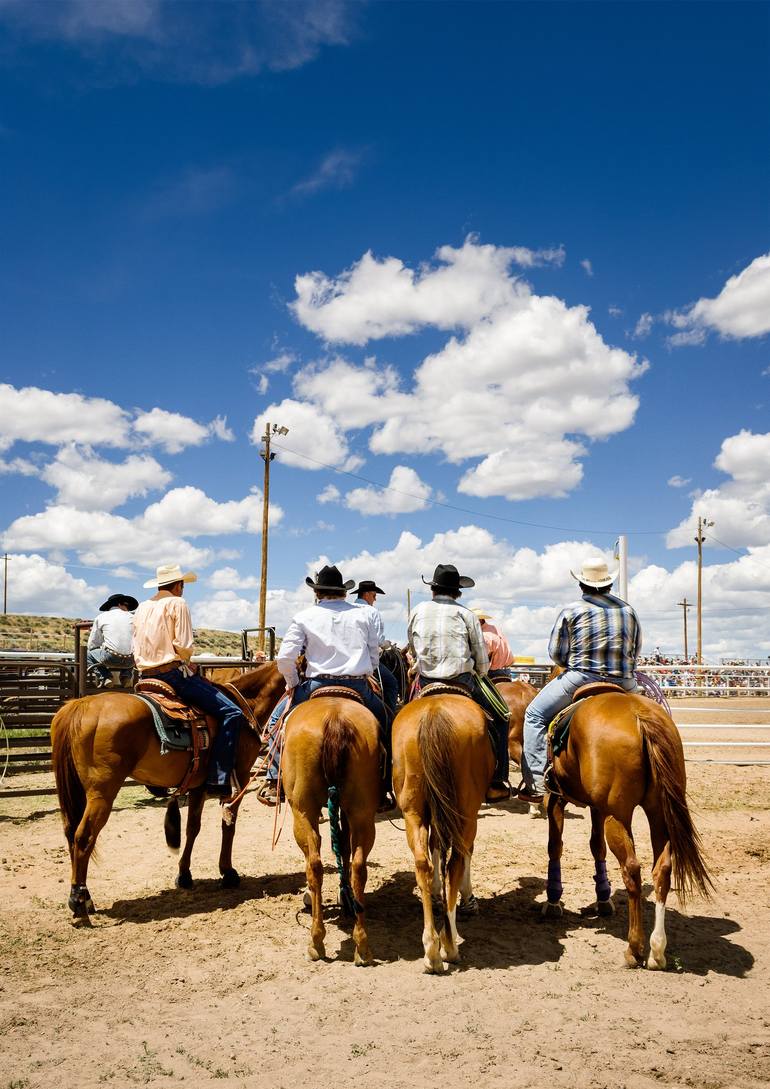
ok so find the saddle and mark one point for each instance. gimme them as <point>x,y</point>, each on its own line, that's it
<point>179,726</point>
<point>338,691</point>
<point>441,688</point>
<point>558,728</point>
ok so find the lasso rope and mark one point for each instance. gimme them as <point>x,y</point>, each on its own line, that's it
<point>652,689</point>
<point>348,901</point>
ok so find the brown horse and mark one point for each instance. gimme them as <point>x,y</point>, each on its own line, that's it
<point>331,756</point>
<point>518,695</point>
<point>442,766</point>
<point>99,741</point>
<point>624,751</point>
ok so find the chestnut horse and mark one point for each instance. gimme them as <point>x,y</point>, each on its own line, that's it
<point>442,766</point>
<point>99,741</point>
<point>331,757</point>
<point>625,751</point>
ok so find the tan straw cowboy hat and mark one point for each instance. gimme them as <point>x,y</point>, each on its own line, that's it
<point>168,573</point>
<point>594,572</point>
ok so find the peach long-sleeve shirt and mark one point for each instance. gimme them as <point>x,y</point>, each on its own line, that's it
<point>497,646</point>
<point>163,631</point>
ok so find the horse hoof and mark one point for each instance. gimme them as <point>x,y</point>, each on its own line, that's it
<point>605,907</point>
<point>316,953</point>
<point>184,880</point>
<point>307,898</point>
<point>468,907</point>
<point>231,879</point>
<point>552,910</point>
<point>433,968</point>
<point>363,961</point>
<point>657,965</point>
<point>453,957</point>
<point>90,906</point>
<point>631,959</point>
<point>535,810</point>
<point>81,922</point>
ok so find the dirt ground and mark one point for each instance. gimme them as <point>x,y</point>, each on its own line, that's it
<point>175,988</point>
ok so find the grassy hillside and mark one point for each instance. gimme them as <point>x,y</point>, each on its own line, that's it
<point>41,633</point>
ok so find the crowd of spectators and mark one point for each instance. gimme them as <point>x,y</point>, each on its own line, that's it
<point>733,677</point>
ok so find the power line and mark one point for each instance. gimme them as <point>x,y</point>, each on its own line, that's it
<point>464,510</point>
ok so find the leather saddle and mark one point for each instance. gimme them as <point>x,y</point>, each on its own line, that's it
<point>338,691</point>
<point>441,688</point>
<point>179,726</point>
<point>558,728</point>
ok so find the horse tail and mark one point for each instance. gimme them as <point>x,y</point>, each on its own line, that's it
<point>72,795</point>
<point>337,742</point>
<point>172,825</point>
<point>435,735</point>
<point>666,761</point>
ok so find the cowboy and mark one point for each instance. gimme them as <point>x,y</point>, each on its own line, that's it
<point>163,646</point>
<point>366,595</point>
<point>448,645</point>
<point>340,643</point>
<point>498,651</point>
<point>109,644</point>
<point>595,639</point>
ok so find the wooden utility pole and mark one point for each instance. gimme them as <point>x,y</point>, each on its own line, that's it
<point>267,456</point>
<point>703,523</point>
<point>5,587</point>
<point>408,603</point>
<point>685,606</point>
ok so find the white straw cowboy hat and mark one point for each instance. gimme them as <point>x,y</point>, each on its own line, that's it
<point>170,572</point>
<point>594,572</point>
<point>482,614</point>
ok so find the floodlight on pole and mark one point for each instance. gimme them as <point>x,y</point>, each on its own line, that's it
<point>267,456</point>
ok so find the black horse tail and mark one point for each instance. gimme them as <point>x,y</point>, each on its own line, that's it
<point>72,795</point>
<point>666,760</point>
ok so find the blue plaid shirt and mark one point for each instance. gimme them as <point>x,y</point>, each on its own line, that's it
<point>598,634</point>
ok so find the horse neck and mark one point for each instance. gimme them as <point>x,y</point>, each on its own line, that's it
<point>262,687</point>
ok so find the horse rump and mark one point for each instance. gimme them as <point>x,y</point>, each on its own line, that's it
<point>337,741</point>
<point>666,761</point>
<point>72,795</point>
<point>435,743</point>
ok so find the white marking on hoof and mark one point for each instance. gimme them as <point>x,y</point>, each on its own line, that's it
<point>552,911</point>
<point>316,954</point>
<point>363,962</point>
<point>534,810</point>
<point>658,940</point>
<point>433,967</point>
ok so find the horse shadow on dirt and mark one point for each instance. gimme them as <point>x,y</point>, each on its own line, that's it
<point>206,896</point>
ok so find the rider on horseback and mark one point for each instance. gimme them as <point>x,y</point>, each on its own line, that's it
<point>595,639</point>
<point>448,645</point>
<point>366,595</point>
<point>163,646</point>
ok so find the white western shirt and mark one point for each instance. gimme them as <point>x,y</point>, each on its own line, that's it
<point>113,631</point>
<point>335,636</point>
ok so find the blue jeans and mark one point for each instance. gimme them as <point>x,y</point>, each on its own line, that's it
<point>556,695</point>
<point>389,688</point>
<point>102,661</point>
<point>203,694</point>
<point>301,694</point>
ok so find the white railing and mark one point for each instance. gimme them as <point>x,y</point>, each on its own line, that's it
<point>706,680</point>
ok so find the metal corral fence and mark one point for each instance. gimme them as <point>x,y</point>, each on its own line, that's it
<point>34,686</point>
<point>706,680</point>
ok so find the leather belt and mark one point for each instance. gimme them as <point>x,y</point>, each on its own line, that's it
<point>339,677</point>
<point>157,671</point>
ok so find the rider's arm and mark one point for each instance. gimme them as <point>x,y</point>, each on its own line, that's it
<point>558,646</point>
<point>96,637</point>
<point>478,646</point>
<point>292,645</point>
<point>373,640</point>
<point>182,638</point>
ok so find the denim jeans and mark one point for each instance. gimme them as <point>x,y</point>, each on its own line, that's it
<point>203,694</point>
<point>556,695</point>
<point>103,661</point>
<point>302,693</point>
<point>389,688</point>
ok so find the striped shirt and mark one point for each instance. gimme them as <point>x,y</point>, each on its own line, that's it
<point>598,634</point>
<point>446,639</point>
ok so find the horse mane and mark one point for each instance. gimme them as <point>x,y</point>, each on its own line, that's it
<point>664,754</point>
<point>435,744</point>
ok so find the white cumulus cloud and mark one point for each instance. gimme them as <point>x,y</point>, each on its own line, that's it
<point>404,494</point>
<point>86,481</point>
<point>314,437</point>
<point>740,310</point>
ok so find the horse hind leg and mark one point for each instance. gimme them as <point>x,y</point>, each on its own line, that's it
<point>449,935</point>
<point>361,840</point>
<point>309,841</point>
<point>554,888</point>
<point>661,875</point>
<point>604,905</point>
<point>417,837</point>
<point>196,799</point>
<point>468,905</point>
<point>622,846</point>
<point>97,810</point>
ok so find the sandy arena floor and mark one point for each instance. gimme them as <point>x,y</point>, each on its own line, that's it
<point>176,988</point>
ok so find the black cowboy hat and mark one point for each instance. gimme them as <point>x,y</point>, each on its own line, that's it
<point>119,599</point>
<point>367,586</point>
<point>329,578</point>
<point>446,577</point>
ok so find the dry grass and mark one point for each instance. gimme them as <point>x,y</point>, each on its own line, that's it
<point>56,633</point>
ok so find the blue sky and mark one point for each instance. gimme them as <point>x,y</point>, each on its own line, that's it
<point>564,307</point>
